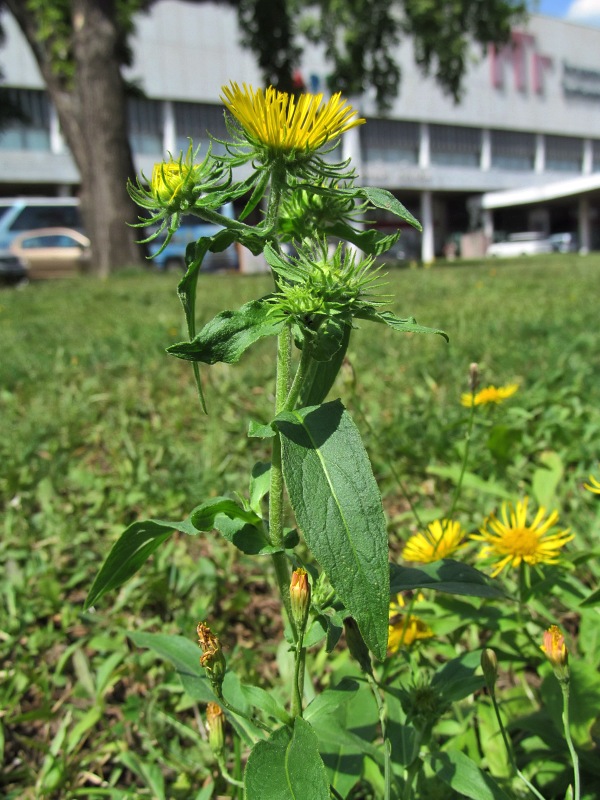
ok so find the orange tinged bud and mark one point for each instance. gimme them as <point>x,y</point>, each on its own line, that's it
<point>215,723</point>
<point>212,658</point>
<point>300,597</point>
<point>556,651</point>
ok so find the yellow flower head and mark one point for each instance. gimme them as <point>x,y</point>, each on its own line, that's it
<point>440,540</point>
<point>491,394</point>
<point>513,541</point>
<point>593,485</point>
<point>284,123</point>
<point>171,178</point>
<point>404,630</point>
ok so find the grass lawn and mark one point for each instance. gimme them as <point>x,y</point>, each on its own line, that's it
<point>99,427</point>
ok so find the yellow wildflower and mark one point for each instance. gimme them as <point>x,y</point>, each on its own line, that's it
<point>403,629</point>
<point>513,541</point>
<point>593,485</point>
<point>491,394</point>
<point>285,123</point>
<point>441,539</point>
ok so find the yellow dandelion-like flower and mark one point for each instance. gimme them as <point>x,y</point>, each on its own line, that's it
<point>440,540</point>
<point>404,630</point>
<point>513,541</point>
<point>491,394</point>
<point>285,123</point>
<point>593,485</point>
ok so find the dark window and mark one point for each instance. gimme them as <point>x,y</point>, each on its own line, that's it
<point>195,121</point>
<point>454,146</point>
<point>145,125</point>
<point>32,130</point>
<point>512,150</point>
<point>47,217</point>
<point>564,153</point>
<point>390,140</point>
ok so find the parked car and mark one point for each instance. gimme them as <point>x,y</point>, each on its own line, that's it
<point>52,252</point>
<point>521,244</point>
<point>19,214</point>
<point>12,269</point>
<point>190,230</point>
<point>564,242</point>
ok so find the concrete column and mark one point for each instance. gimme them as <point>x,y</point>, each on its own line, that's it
<point>57,143</point>
<point>488,224</point>
<point>485,159</point>
<point>584,225</point>
<point>540,153</point>
<point>169,132</point>
<point>587,166</point>
<point>424,146</point>
<point>427,245</point>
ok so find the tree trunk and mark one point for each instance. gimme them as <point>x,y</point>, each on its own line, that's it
<point>92,111</point>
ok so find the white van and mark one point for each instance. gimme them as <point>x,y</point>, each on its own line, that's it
<point>18,214</point>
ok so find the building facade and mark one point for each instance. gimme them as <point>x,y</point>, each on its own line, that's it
<point>529,118</point>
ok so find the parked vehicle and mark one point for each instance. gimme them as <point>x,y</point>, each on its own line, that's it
<point>521,244</point>
<point>52,252</point>
<point>19,214</point>
<point>190,230</point>
<point>12,269</point>
<point>564,242</point>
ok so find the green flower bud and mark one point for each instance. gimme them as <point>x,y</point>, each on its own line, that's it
<point>489,665</point>
<point>215,723</point>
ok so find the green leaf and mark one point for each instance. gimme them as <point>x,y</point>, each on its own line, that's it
<point>259,698</point>
<point>260,483</point>
<point>370,241</point>
<point>444,576</point>
<point>408,325</point>
<point>456,679</point>
<point>287,767</point>
<point>381,198</point>
<point>321,375</point>
<point>328,340</point>
<point>331,699</point>
<point>228,335</point>
<point>471,481</point>
<point>338,509</point>
<point>133,548</point>
<point>463,775</point>
<point>243,528</point>
<point>546,478</point>
<point>184,654</point>
<point>257,430</point>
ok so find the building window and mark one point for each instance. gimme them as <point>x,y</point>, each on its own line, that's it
<point>512,150</point>
<point>195,121</point>
<point>30,129</point>
<point>596,155</point>
<point>454,146</point>
<point>390,140</point>
<point>564,153</point>
<point>145,121</point>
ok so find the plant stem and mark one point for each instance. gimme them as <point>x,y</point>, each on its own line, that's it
<point>564,685</point>
<point>229,778</point>
<point>509,751</point>
<point>299,666</point>
<point>241,714</point>
<point>387,755</point>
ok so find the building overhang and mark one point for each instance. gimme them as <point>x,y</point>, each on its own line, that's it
<point>572,187</point>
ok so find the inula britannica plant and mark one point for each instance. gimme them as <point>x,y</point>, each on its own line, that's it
<point>358,709</point>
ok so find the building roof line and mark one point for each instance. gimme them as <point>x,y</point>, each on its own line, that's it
<point>538,194</point>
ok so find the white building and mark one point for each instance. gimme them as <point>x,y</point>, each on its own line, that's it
<point>528,124</point>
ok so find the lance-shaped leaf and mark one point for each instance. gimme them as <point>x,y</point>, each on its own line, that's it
<point>338,509</point>
<point>408,325</point>
<point>228,335</point>
<point>132,549</point>
<point>321,375</point>
<point>370,241</point>
<point>381,198</point>
<point>287,767</point>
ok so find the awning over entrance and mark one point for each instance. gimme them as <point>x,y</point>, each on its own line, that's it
<point>538,194</point>
<point>582,187</point>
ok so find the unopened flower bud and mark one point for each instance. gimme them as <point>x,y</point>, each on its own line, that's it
<point>212,658</point>
<point>556,651</point>
<point>473,376</point>
<point>300,597</point>
<point>215,723</point>
<point>489,665</point>
<point>356,645</point>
